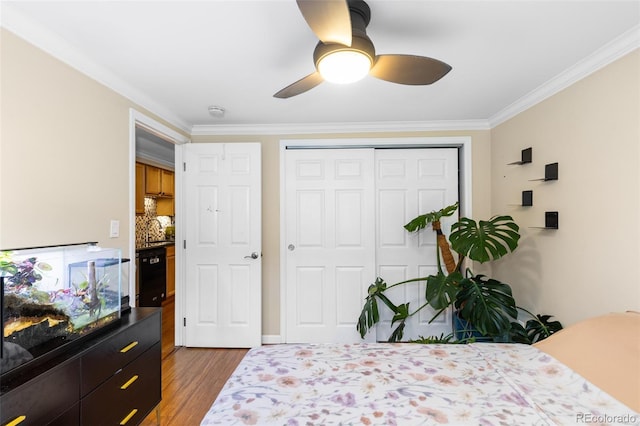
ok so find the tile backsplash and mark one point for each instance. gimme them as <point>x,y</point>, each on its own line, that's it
<point>150,222</point>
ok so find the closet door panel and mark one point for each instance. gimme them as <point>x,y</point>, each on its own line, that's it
<point>391,218</point>
<point>411,182</point>
<point>330,241</point>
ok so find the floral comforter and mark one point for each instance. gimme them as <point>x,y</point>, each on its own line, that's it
<point>410,384</point>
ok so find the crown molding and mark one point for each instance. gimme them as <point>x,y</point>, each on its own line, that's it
<point>362,127</point>
<point>25,28</point>
<point>610,52</point>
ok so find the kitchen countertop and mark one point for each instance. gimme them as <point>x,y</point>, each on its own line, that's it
<point>155,244</point>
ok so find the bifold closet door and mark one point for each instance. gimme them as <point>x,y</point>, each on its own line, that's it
<point>344,218</point>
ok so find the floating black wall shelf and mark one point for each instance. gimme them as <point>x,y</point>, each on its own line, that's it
<point>550,221</point>
<point>527,198</point>
<point>526,156</point>
<point>550,172</point>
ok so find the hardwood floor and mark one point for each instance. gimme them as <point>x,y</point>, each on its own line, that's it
<point>191,380</point>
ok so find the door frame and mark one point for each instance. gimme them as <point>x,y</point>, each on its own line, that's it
<point>462,143</point>
<point>136,118</point>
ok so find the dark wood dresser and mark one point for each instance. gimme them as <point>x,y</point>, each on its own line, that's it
<point>112,379</point>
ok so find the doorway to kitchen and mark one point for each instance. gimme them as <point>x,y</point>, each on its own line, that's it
<point>154,187</point>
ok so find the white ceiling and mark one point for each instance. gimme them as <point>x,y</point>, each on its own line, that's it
<point>179,57</point>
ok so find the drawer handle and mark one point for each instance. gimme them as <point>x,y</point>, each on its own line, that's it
<point>16,421</point>
<point>126,419</point>
<point>129,382</point>
<point>128,347</point>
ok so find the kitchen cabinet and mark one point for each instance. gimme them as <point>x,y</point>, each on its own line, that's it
<point>168,305</point>
<point>158,182</point>
<point>140,190</point>
<point>152,180</point>
<point>171,270</point>
<point>166,183</point>
<point>168,326</point>
<point>114,378</point>
<point>165,207</point>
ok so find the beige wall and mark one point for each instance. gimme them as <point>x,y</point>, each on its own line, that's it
<point>592,129</point>
<point>64,152</point>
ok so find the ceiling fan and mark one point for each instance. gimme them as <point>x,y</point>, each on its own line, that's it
<point>340,25</point>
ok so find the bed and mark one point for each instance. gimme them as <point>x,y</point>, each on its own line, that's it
<point>412,384</point>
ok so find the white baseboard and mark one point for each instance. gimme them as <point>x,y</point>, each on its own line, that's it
<point>271,339</point>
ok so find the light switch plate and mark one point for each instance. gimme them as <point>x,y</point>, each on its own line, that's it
<point>114,229</point>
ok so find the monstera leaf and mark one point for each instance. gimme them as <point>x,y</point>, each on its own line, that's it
<point>538,328</point>
<point>423,220</point>
<point>433,218</point>
<point>541,327</point>
<point>486,240</point>
<point>441,289</point>
<point>370,316</point>
<point>398,333</point>
<point>487,304</point>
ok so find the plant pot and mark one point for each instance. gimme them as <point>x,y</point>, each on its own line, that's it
<point>463,330</point>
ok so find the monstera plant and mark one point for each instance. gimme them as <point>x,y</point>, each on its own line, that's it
<point>484,303</point>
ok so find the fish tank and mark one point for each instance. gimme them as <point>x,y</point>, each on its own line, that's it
<point>53,296</point>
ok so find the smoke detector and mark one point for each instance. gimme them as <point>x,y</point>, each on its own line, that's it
<point>216,111</point>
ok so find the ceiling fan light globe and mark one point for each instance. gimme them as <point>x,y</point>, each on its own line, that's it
<point>344,66</point>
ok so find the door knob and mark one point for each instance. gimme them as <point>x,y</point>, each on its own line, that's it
<point>291,247</point>
<point>254,255</point>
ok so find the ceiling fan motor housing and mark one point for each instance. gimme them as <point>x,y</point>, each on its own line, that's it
<point>360,14</point>
<point>358,44</point>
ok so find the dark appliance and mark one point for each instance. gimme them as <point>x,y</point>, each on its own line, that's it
<point>153,276</point>
<point>125,302</point>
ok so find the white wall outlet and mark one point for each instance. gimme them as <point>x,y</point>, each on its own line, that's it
<point>114,229</point>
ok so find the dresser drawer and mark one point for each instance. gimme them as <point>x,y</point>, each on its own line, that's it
<point>71,417</point>
<point>44,398</point>
<point>105,359</point>
<point>129,395</point>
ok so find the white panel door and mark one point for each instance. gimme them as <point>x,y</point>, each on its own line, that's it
<point>330,260</point>
<point>223,245</point>
<point>411,182</point>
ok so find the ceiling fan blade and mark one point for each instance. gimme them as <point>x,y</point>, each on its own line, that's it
<point>328,19</point>
<point>300,86</point>
<point>409,69</point>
